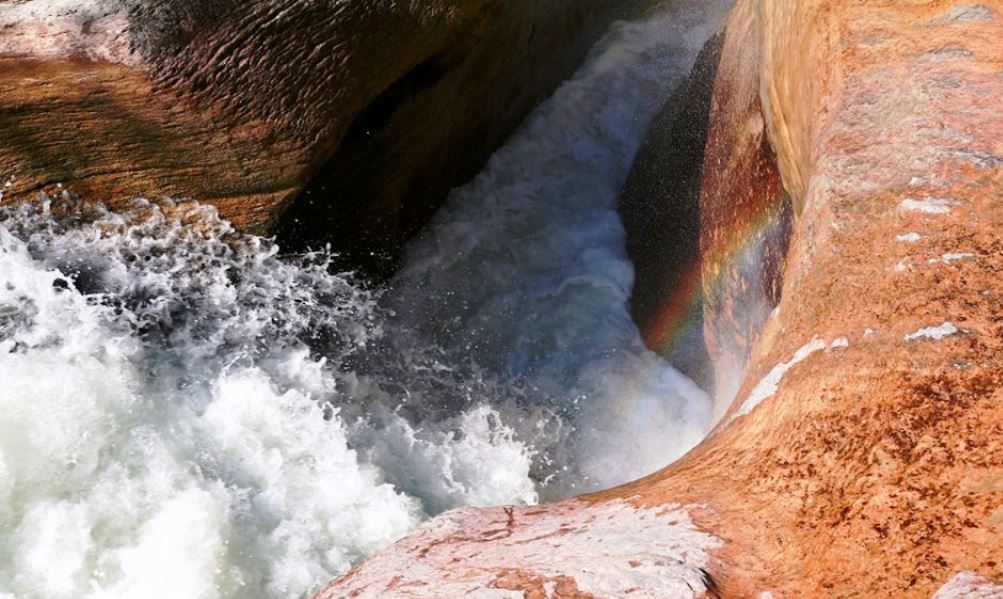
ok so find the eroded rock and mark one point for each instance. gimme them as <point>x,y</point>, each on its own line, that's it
<point>745,218</point>
<point>709,237</point>
<point>566,550</point>
<point>660,209</point>
<point>385,106</point>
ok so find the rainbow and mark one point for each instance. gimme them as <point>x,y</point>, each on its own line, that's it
<point>743,241</point>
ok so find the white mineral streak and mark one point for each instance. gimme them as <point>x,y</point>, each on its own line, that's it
<point>928,205</point>
<point>769,385</point>
<point>946,258</point>
<point>933,332</point>
<point>969,585</point>
<point>608,550</point>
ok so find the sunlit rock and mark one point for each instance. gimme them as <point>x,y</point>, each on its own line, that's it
<point>360,116</point>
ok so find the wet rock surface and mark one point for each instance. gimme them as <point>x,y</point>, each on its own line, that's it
<point>660,210</point>
<point>570,549</point>
<point>383,106</point>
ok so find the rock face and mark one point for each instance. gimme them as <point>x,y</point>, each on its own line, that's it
<point>577,550</point>
<point>862,455</point>
<point>699,232</point>
<point>660,208</point>
<point>745,217</point>
<point>375,109</point>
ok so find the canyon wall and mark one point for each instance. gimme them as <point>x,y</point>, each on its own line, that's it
<point>356,117</point>
<point>699,231</point>
<point>862,454</point>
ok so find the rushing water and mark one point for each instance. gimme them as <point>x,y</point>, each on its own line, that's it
<point>186,414</point>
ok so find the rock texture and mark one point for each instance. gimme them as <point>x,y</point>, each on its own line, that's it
<point>863,454</point>
<point>383,106</point>
<point>577,550</point>
<point>745,217</point>
<point>660,209</point>
<point>709,239</point>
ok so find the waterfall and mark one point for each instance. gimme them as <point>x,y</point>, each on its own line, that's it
<point>524,270</point>
<point>187,413</point>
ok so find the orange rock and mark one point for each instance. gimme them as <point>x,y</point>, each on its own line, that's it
<point>863,454</point>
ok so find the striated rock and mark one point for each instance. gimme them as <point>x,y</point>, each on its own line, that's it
<point>376,109</point>
<point>862,455</point>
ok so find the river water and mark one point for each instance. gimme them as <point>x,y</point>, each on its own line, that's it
<point>186,413</point>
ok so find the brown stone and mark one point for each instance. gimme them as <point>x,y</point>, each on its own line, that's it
<point>104,131</point>
<point>384,106</point>
<point>863,455</point>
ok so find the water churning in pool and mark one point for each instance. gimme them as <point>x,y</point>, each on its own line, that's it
<point>185,413</point>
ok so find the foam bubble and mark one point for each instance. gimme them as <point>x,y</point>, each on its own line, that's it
<point>172,418</point>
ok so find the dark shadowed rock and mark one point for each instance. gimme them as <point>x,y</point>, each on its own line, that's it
<point>660,209</point>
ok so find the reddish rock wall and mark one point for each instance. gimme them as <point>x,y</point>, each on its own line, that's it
<point>745,221</point>
<point>712,224</point>
<point>863,455</point>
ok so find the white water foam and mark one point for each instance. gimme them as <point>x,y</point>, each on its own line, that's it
<point>177,418</point>
<point>186,415</point>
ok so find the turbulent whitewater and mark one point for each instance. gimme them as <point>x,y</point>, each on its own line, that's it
<point>187,413</point>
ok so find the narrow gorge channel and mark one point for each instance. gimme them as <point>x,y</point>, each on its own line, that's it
<point>230,421</point>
